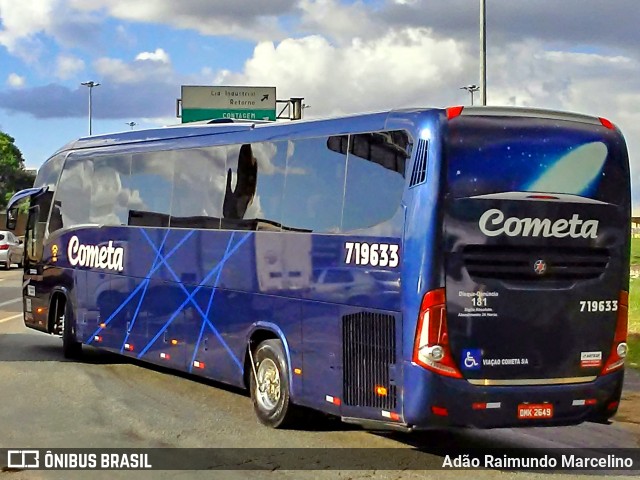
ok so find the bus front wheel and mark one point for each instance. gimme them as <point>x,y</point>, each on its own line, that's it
<point>270,390</point>
<point>71,348</point>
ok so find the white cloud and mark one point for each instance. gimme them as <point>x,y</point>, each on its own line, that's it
<point>401,68</point>
<point>158,56</point>
<point>117,70</point>
<point>24,26</point>
<point>148,67</point>
<point>587,59</point>
<point>21,21</point>
<point>239,18</point>
<point>338,21</point>
<point>15,81</point>
<point>67,66</point>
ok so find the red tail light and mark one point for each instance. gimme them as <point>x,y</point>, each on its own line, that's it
<point>431,348</point>
<point>453,112</point>
<point>607,123</point>
<point>619,346</point>
<point>4,247</point>
<point>440,411</point>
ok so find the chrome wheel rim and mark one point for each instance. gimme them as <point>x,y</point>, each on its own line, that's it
<point>61,326</point>
<point>268,384</point>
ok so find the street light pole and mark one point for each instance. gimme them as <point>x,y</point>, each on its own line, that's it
<point>90,85</point>
<point>131,124</point>
<point>471,89</point>
<point>483,52</point>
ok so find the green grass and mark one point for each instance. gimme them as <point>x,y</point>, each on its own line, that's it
<point>633,338</point>
<point>635,251</point>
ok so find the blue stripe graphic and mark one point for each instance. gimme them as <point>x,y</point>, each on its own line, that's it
<point>213,292</point>
<point>137,289</point>
<point>190,297</point>
<point>144,292</point>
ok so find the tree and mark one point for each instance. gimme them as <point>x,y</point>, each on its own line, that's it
<point>13,176</point>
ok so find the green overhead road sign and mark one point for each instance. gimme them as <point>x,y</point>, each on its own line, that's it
<point>246,103</point>
<point>197,114</point>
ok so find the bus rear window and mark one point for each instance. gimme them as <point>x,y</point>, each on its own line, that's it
<point>507,154</point>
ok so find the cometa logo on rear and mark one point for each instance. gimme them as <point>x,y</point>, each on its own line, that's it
<point>493,223</point>
<point>106,257</point>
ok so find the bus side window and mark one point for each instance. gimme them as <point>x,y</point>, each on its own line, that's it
<point>73,197</point>
<point>151,188</point>
<point>375,178</point>
<point>198,188</point>
<point>55,223</point>
<point>109,191</point>
<point>239,197</point>
<point>254,185</point>
<point>314,186</point>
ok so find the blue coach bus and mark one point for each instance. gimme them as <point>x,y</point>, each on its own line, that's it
<point>406,269</point>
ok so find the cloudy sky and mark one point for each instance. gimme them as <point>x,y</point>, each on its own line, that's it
<point>342,56</point>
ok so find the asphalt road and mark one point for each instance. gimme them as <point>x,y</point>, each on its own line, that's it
<point>105,401</point>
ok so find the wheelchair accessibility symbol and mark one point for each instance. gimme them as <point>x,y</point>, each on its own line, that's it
<point>471,359</point>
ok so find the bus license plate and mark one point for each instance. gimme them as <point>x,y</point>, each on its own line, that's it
<point>534,411</point>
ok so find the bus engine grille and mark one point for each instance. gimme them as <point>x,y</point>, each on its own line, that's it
<point>507,262</point>
<point>369,352</point>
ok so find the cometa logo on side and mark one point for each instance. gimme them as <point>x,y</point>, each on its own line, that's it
<point>105,257</point>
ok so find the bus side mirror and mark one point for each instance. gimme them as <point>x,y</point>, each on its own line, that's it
<point>12,218</point>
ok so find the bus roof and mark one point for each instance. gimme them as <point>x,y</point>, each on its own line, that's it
<point>334,125</point>
<point>530,112</point>
<point>350,123</point>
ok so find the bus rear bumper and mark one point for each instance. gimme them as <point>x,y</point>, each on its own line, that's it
<point>448,402</point>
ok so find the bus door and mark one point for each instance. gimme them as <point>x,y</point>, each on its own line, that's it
<point>37,199</point>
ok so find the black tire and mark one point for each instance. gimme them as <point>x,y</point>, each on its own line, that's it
<point>71,348</point>
<point>280,413</point>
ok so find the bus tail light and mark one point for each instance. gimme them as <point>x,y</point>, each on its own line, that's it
<point>607,123</point>
<point>431,349</point>
<point>619,345</point>
<point>440,411</point>
<point>453,112</point>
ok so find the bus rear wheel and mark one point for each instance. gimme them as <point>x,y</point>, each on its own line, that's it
<point>270,391</point>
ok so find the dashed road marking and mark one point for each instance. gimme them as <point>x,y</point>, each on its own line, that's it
<point>9,302</point>
<point>11,318</point>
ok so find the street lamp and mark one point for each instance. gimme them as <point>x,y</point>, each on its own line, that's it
<point>483,52</point>
<point>90,85</point>
<point>131,124</point>
<point>471,89</point>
